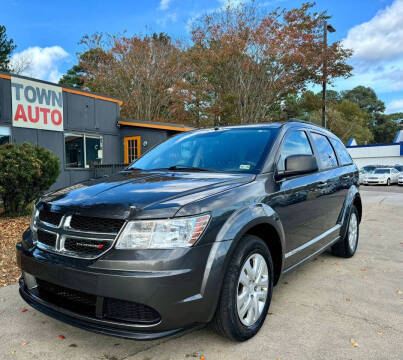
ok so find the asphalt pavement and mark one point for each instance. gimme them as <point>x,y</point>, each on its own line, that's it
<point>329,308</point>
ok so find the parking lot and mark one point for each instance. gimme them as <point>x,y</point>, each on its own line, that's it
<point>330,308</point>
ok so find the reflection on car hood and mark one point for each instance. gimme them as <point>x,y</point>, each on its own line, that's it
<point>140,193</point>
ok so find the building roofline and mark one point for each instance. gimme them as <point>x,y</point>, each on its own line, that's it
<point>7,76</point>
<point>375,145</point>
<point>155,125</point>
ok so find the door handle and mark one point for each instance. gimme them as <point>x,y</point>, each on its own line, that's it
<point>345,177</point>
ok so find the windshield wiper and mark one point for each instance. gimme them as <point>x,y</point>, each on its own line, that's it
<point>183,167</point>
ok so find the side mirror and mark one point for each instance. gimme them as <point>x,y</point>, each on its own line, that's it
<point>298,165</point>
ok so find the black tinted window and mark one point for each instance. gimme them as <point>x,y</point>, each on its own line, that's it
<point>342,153</point>
<point>325,154</point>
<point>294,143</point>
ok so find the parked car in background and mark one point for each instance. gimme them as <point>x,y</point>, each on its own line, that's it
<point>400,180</point>
<point>399,168</point>
<point>363,175</point>
<point>369,168</point>
<point>382,176</point>
<point>198,230</point>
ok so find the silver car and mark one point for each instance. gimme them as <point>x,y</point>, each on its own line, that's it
<point>385,176</point>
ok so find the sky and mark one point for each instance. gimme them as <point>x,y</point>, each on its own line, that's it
<point>47,33</point>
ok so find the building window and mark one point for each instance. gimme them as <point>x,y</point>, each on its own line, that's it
<point>4,135</point>
<point>83,151</point>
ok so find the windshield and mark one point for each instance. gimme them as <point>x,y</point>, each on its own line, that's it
<point>228,150</point>
<point>382,171</point>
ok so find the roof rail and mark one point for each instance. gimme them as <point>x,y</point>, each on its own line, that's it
<point>305,122</point>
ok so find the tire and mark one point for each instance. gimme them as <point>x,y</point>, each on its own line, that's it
<point>388,182</point>
<point>227,320</point>
<point>346,248</point>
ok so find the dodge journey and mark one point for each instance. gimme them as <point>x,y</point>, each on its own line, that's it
<point>198,230</point>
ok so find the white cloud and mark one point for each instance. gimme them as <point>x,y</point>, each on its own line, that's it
<point>394,106</point>
<point>378,50</point>
<point>167,18</point>
<point>164,4</point>
<point>232,3</point>
<point>381,38</point>
<point>40,63</point>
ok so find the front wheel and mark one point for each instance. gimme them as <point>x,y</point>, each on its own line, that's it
<point>388,182</point>
<point>348,245</point>
<point>246,292</point>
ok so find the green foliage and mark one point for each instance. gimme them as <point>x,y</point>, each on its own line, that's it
<point>73,78</point>
<point>366,99</point>
<point>346,120</point>
<point>384,128</point>
<point>6,49</point>
<point>396,117</point>
<point>26,171</point>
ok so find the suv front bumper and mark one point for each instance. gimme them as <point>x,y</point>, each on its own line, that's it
<point>182,285</point>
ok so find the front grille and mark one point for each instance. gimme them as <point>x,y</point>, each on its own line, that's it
<point>131,312</point>
<point>86,304</point>
<point>50,217</point>
<point>86,247</point>
<point>73,300</point>
<point>94,224</point>
<point>46,238</point>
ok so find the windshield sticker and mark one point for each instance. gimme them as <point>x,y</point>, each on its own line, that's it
<point>244,167</point>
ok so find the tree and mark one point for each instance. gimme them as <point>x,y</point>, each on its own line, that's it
<point>73,78</point>
<point>250,61</point>
<point>6,49</point>
<point>366,99</point>
<point>384,128</point>
<point>346,120</point>
<point>26,171</point>
<point>396,117</point>
<point>141,71</point>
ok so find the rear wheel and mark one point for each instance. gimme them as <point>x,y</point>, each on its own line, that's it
<point>348,245</point>
<point>247,290</point>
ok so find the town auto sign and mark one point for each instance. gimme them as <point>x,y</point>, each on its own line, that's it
<point>36,105</point>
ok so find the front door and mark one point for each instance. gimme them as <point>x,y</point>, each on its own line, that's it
<point>296,201</point>
<point>132,145</point>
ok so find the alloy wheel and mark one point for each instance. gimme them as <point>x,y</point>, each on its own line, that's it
<point>252,289</point>
<point>353,231</point>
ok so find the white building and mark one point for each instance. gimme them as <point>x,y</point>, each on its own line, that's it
<point>377,154</point>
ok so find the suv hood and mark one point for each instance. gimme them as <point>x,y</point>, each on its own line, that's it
<point>140,194</point>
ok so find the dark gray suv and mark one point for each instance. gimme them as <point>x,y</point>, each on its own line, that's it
<point>198,230</point>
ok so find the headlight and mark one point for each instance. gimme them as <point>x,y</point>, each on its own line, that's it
<point>34,217</point>
<point>33,227</point>
<point>162,234</point>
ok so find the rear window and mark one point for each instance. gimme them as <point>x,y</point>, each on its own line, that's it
<point>325,154</point>
<point>341,151</point>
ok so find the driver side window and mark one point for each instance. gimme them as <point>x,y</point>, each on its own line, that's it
<point>294,143</point>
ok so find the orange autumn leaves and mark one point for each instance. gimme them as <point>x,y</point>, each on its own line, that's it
<point>11,230</point>
<point>241,62</point>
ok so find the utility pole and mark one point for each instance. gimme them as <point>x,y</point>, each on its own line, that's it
<point>326,28</point>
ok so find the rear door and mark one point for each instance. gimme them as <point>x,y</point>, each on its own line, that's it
<point>333,182</point>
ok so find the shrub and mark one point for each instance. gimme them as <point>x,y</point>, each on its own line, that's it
<point>26,171</point>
